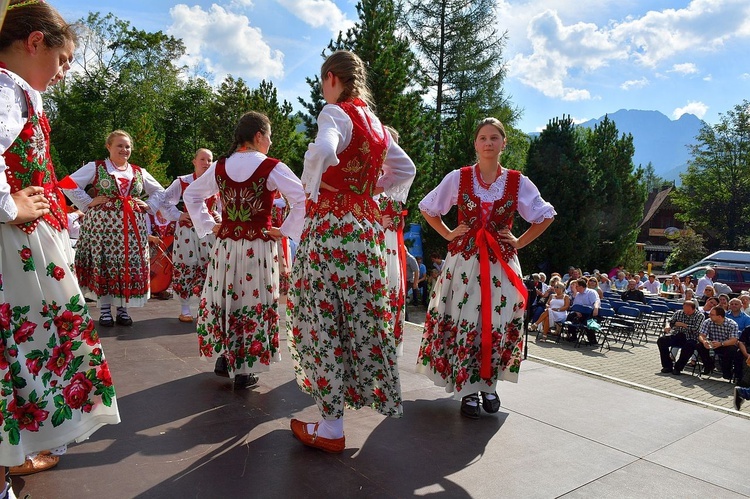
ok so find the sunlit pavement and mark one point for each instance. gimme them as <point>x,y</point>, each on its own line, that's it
<point>186,433</point>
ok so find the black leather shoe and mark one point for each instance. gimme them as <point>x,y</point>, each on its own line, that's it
<point>676,371</point>
<point>490,406</point>
<point>470,411</point>
<point>124,320</point>
<point>106,321</point>
<point>666,370</point>
<point>245,381</point>
<point>221,368</point>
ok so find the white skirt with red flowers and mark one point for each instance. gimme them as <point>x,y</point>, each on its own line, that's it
<point>450,350</point>
<point>396,288</point>
<point>340,331</point>
<point>55,383</point>
<point>190,257</point>
<point>238,314</point>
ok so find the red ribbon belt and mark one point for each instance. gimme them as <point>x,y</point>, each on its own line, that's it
<point>402,263</point>
<point>485,243</point>
<point>285,251</point>
<point>128,216</point>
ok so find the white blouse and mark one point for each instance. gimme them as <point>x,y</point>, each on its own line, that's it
<point>172,196</point>
<point>531,206</point>
<point>13,117</point>
<point>334,134</point>
<point>86,174</point>
<point>240,166</point>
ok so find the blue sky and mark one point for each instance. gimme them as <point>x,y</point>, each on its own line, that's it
<point>581,58</point>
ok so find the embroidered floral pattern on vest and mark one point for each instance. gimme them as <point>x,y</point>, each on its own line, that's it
<point>247,205</point>
<point>470,213</point>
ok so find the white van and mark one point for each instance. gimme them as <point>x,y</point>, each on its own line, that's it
<point>724,258</point>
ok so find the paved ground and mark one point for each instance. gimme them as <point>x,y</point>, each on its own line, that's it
<point>186,433</point>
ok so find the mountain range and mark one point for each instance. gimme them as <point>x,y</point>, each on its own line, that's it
<point>657,139</point>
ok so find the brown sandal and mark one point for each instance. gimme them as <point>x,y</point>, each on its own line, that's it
<point>40,462</point>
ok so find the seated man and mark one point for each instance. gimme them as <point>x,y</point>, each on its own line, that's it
<point>587,297</point>
<point>684,326</point>
<point>620,283</point>
<point>633,294</point>
<point>742,359</point>
<point>652,285</point>
<point>720,335</point>
<point>737,315</point>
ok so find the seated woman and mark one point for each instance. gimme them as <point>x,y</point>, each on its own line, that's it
<point>540,305</point>
<point>557,311</point>
<point>593,283</point>
<point>709,304</point>
<point>676,286</point>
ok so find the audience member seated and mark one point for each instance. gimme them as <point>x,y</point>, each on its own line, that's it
<point>633,294</point>
<point>709,304</point>
<point>684,326</point>
<point>642,277</point>
<point>652,285</point>
<point>737,315</point>
<point>620,283</point>
<point>690,294</point>
<point>589,298</point>
<point>720,335</point>
<point>742,359</point>
<point>604,283</point>
<point>593,283</point>
<point>689,283</point>
<point>745,299</point>
<point>674,285</point>
<point>557,310</point>
<point>708,292</point>
<point>724,301</point>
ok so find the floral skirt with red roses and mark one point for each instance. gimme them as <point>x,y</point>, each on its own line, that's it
<point>339,328</point>
<point>190,257</point>
<point>396,289</point>
<point>450,350</point>
<point>55,384</point>
<point>103,264</point>
<point>238,313</point>
<point>285,264</point>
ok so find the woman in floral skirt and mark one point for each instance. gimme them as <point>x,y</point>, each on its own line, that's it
<point>55,384</point>
<point>112,254</point>
<point>238,319</point>
<point>472,331</point>
<point>341,335</point>
<point>190,254</point>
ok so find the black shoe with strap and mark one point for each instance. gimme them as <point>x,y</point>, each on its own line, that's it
<point>221,368</point>
<point>470,406</point>
<point>245,381</point>
<point>492,404</point>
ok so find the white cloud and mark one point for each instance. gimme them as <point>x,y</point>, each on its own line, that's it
<point>558,57</point>
<point>319,13</point>
<point>224,43</point>
<point>630,84</point>
<point>745,76</point>
<point>697,108</point>
<point>685,68</point>
<point>708,78</point>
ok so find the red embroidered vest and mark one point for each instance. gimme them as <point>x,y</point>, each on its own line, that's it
<point>105,184</point>
<point>28,162</point>
<point>210,202</point>
<point>359,168</point>
<point>470,213</point>
<point>393,209</point>
<point>247,205</point>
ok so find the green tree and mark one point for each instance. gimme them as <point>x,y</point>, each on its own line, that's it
<point>460,53</point>
<point>687,249</point>
<point>187,126</point>
<point>715,189</point>
<point>125,77</point>
<point>559,165</point>
<point>618,194</point>
<point>652,181</point>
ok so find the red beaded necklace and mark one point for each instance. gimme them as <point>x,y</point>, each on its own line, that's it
<point>481,181</point>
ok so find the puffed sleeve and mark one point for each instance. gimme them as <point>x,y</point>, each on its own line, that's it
<point>398,172</point>
<point>195,196</point>
<point>442,198</point>
<point>172,196</point>
<point>154,190</point>
<point>531,206</point>
<point>284,179</point>
<point>82,177</point>
<point>334,134</point>
<point>12,105</point>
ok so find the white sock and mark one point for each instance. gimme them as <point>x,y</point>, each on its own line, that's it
<point>333,428</point>
<point>185,306</point>
<point>489,396</point>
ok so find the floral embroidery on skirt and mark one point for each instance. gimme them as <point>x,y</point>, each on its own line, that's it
<point>190,257</point>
